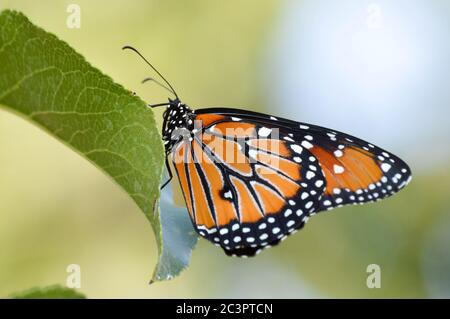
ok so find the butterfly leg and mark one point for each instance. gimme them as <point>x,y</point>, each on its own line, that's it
<point>170,174</point>
<point>156,105</point>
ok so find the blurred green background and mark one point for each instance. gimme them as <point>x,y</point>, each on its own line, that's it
<point>369,68</point>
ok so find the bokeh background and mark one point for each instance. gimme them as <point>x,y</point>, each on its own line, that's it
<point>376,69</point>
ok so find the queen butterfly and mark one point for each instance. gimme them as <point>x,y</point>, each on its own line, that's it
<point>249,179</point>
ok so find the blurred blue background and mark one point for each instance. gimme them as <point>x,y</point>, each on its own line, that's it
<point>375,69</point>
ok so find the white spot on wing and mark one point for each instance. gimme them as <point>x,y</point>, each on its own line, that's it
<point>307,144</point>
<point>264,131</point>
<point>386,167</point>
<point>338,169</point>
<point>310,175</point>
<point>338,153</point>
<point>296,148</point>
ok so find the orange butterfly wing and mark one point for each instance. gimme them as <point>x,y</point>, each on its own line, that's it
<point>250,180</point>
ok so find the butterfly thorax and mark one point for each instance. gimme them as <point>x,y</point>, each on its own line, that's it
<point>178,123</point>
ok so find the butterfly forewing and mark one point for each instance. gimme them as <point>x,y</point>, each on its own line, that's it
<point>356,171</point>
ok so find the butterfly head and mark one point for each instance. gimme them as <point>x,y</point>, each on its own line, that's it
<point>178,123</point>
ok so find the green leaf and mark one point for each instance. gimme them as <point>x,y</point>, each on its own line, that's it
<point>50,292</point>
<point>179,238</point>
<point>47,82</point>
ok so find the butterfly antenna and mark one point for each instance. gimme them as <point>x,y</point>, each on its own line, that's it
<point>157,82</point>
<point>154,69</point>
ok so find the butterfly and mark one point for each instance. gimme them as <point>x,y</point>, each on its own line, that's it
<point>249,179</point>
